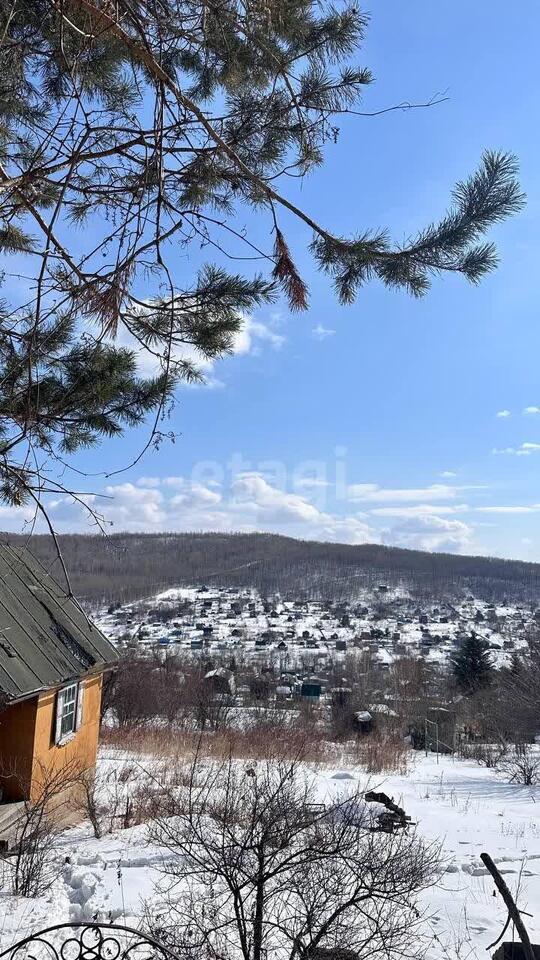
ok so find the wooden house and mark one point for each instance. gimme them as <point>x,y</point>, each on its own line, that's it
<point>52,659</point>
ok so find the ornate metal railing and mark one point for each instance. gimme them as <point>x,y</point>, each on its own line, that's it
<point>88,941</point>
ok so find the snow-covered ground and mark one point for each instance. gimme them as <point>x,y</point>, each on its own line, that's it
<point>471,810</point>
<point>468,808</point>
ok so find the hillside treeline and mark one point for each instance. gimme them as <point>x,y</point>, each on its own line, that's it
<point>125,567</point>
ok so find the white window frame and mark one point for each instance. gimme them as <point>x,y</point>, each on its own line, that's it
<point>69,702</point>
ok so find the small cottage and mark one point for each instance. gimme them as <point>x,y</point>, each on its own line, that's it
<point>52,659</point>
<point>221,681</point>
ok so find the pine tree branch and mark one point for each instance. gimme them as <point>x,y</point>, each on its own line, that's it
<point>45,228</point>
<point>146,58</point>
<point>394,265</point>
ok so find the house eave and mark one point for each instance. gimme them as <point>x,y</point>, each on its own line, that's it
<point>97,669</point>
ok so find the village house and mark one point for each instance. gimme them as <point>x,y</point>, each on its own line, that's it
<point>52,660</point>
<point>221,681</point>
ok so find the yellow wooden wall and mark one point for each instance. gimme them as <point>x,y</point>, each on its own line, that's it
<point>17,728</point>
<point>27,744</point>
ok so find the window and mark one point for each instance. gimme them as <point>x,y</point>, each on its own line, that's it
<point>68,711</point>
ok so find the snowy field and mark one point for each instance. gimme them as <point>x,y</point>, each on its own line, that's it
<point>468,808</point>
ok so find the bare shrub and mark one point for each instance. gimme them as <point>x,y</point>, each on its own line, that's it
<point>121,794</point>
<point>159,740</point>
<point>488,755</point>
<point>267,870</point>
<point>134,696</point>
<point>106,797</point>
<point>87,802</point>
<point>126,773</point>
<point>148,805</point>
<point>381,752</point>
<point>523,765</point>
<point>384,753</point>
<point>33,869</point>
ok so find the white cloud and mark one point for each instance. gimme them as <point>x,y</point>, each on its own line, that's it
<point>250,504</point>
<point>259,331</point>
<point>253,502</point>
<point>252,334</point>
<point>503,414</point>
<point>175,482</point>
<point>248,340</point>
<point>351,530</point>
<point>195,497</point>
<point>524,450</point>
<point>418,510</point>
<point>373,493</point>
<point>15,518</point>
<point>431,533</point>
<point>149,482</point>
<point>131,507</point>
<point>252,492</point>
<point>518,508</point>
<point>322,333</point>
<point>531,410</point>
<point>256,504</point>
<point>448,474</point>
<point>310,483</point>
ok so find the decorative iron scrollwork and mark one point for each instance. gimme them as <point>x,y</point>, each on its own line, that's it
<point>88,941</point>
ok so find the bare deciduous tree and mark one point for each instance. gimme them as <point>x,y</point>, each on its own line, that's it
<point>33,868</point>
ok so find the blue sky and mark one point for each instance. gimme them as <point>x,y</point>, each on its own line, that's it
<point>398,398</point>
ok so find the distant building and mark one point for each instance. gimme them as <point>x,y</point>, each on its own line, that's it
<point>221,681</point>
<point>363,721</point>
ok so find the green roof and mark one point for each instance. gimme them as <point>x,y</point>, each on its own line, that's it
<point>45,637</point>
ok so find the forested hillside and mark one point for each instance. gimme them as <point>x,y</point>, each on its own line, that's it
<point>127,566</point>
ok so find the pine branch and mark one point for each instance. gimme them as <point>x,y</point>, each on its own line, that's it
<point>287,275</point>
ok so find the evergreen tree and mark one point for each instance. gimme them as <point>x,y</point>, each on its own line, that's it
<point>473,666</point>
<point>134,133</point>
